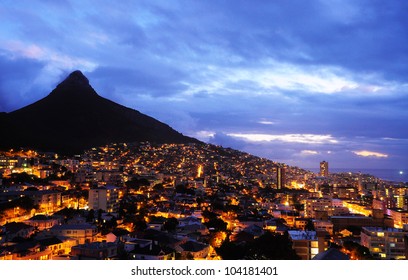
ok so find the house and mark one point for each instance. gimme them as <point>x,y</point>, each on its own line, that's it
<point>193,249</point>
<point>84,233</point>
<point>255,230</point>
<point>58,246</point>
<point>42,222</point>
<point>131,244</point>
<point>331,254</point>
<point>95,251</point>
<point>27,250</point>
<point>156,223</point>
<point>190,220</point>
<point>192,228</point>
<point>13,230</point>
<point>116,235</point>
<point>152,251</point>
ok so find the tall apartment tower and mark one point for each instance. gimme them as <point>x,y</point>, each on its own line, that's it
<point>280,177</point>
<point>104,198</point>
<point>324,169</point>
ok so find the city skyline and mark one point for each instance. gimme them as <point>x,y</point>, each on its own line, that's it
<point>328,84</point>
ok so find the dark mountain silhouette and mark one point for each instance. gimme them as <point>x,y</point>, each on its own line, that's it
<point>73,117</point>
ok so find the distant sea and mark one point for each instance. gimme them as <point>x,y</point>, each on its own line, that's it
<point>384,174</point>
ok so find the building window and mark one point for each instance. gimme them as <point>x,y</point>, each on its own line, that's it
<point>314,251</point>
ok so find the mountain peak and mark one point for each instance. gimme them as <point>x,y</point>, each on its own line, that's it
<point>76,78</point>
<point>76,84</point>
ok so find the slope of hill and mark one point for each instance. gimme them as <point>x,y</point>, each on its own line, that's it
<point>73,117</point>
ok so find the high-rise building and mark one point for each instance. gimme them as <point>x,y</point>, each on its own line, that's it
<point>104,198</point>
<point>280,177</point>
<point>324,169</point>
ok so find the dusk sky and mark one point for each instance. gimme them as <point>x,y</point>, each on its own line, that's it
<point>295,81</point>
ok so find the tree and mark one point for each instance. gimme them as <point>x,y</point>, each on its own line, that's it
<point>271,246</point>
<point>217,224</point>
<point>136,183</point>
<point>139,225</point>
<point>91,216</point>
<point>231,251</point>
<point>170,224</point>
<point>358,251</point>
<point>158,188</point>
<point>309,225</point>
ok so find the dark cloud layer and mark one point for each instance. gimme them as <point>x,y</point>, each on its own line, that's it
<point>262,76</point>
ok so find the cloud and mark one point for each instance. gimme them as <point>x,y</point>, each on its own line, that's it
<point>308,153</point>
<point>18,86</point>
<point>291,138</point>
<point>365,153</point>
<point>266,122</point>
<point>204,135</point>
<point>52,58</point>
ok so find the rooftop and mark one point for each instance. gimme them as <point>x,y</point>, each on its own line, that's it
<point>302,235</point>
<point>73,226</point>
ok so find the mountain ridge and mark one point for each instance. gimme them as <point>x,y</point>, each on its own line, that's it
<point>73,118</point>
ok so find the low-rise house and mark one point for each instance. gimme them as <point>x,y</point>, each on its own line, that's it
<point>27,250</point>
<point>95,251</point>
<point>13,230</point>
<point>331,254</point>
<point>192,228</point>
<point>58,246</point>
<point>193,249</point>
<point>152,251</point>
<point>42,222</point>
<point>191,220</point>
<point>84,233</point>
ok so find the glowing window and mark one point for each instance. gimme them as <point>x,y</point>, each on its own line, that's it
<point>380,233</point>
<point>314,251</point>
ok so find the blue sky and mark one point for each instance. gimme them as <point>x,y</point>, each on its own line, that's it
<point>295,81</point>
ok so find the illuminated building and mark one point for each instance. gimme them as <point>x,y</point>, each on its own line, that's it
<point>308,244</point>
<point>320,225</point>
<point>399,216</point>
<point>199,171</point>
<point>104,198</point>
<point>385,243</point>
<point>280,177</point>
<point>324,169</point>
<point>317,204</point>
